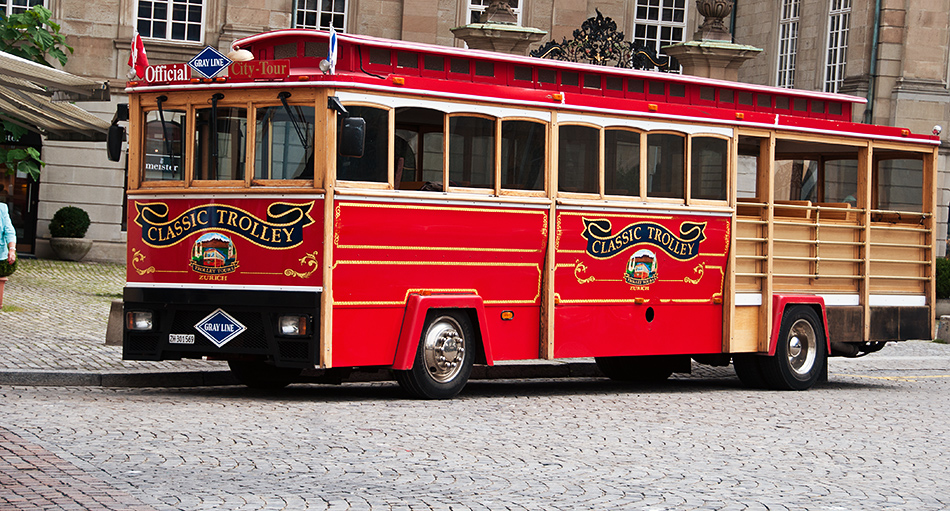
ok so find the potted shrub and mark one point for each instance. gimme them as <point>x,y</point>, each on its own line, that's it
<point>67,229</point>
<point>6,269</point>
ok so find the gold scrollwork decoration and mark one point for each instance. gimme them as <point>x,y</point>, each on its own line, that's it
<point>700,269</point>
<point>138,257</point>
<point>580,268</point>
<point>312,259</point>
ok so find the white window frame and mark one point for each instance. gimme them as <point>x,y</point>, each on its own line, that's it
<point>170,22</point>
<point>789,16</point>
<point>662,18</point>
<point>477,7</point>
<point>20,6</point>
<point>839,24</point>
<point>301,9</point>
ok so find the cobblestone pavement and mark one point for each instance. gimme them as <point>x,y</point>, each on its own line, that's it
<point>54,318</point>
<point>874,437</point>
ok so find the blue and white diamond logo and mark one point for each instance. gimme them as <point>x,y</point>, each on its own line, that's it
<point>219,327</point>
<point>209,62</point>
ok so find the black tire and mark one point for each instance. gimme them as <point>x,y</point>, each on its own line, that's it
<point>748,368</point>
<point>801,352</point>
<point>261,375</point>
<point>444,357</point>
<point>636,369</point>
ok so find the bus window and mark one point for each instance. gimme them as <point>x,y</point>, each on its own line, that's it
<point>795,180</point>
<point>900,185</point>
<point>522,155</point>
<point>708,168</point>
<point>284,143</point>
<point>373,165</point>
<point>418,148</point>
<point>472,152</point>
<point>578,159</point>
<point>622,165</point>
<point>163,147</point>
<point>665,165</point>
<point>747,167</point>
<point>841,182</point>
<point>220,143</point>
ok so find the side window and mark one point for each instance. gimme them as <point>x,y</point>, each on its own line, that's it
<point>841,181</point>
<point>373,165</point>
<point>472,152</point>
<point>900,185</point>
<point>622,165</point>
<point>418,145</point>
<point>164,149</point>
<point>795,180</point>
<point>284,142</point>
<point>578,159</point>
<point>522,155</point>
<point>665,165</point>
<point>708,168</point>
<point>220,143</point>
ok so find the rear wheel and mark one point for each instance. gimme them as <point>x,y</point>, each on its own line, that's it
<point>444,358</point>
<point>643,369</point>
<point>801,353</point>
<point>258,374</point>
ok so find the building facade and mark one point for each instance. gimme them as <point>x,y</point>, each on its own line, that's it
<point>898,54</point>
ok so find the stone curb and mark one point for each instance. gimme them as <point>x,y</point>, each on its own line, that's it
<point>214,378</point>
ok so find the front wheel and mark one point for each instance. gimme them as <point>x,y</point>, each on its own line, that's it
<point>444,358</point>
<point>801,353</point>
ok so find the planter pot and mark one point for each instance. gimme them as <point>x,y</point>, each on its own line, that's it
<point>3,281</point>
<point>70,249</point>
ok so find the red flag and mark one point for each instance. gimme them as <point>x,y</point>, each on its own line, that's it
<point>138,60</point>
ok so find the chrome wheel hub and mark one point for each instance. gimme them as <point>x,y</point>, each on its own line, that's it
<point>801,347</point>
<point>444,349</point>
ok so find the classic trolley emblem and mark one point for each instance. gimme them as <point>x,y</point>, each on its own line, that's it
<point>641,268</point>
<point>282,229</point>
<point>603,244</point>
<point>219,327</point>
<point>214,254</point>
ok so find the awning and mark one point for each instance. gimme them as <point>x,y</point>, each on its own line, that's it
<point>36,97</point>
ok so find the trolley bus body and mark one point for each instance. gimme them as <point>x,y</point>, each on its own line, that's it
<point>542,210</point>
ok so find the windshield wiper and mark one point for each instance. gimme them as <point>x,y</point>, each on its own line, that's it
<point>293,119</point>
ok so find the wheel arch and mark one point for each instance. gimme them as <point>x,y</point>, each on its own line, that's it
<point>780,302</point>
<point>418,306</point>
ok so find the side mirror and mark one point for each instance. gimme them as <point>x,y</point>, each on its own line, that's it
<point>114,142</point>
<point>352,137</point>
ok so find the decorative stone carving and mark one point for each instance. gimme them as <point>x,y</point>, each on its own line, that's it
<point>713,27</point>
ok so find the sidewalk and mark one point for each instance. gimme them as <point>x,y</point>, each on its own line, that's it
<point>53,330</point>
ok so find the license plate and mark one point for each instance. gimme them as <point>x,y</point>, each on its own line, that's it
<point>181,338</point>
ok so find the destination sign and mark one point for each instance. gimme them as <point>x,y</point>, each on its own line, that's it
<point>260,69</point>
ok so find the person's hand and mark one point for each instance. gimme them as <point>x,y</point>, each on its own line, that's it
<point>11,256</point>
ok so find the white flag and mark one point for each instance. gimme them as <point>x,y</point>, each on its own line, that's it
<point>331,55</point>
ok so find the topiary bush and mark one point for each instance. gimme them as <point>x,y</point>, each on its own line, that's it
<point>943,278</point>
<point>69,222</point>
<point>7,269</point>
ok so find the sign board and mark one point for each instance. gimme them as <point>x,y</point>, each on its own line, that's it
<point>219,327</point>
<point>260,69</point>
<point>209,62</point>
<point>168,73</point>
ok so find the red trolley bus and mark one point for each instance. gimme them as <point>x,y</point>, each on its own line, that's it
<point>424,208</point>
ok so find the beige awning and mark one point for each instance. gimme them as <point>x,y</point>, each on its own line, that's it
<point>36,97</point>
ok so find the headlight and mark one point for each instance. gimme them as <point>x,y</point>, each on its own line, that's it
<point>138,320</point>
<point>296,325</point>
